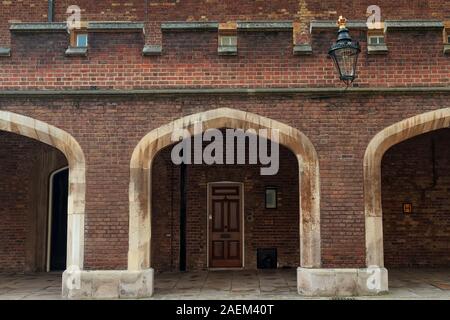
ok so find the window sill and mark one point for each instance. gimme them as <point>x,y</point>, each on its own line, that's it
<point>5,52</point>
<point>76,51</point>
<point>152,50</point>
<point>447,48</point>
<point>377,49</point>
<point>302,50</point>
<point>227,50</point>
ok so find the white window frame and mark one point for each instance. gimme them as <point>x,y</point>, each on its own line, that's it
<point>378,38</point>
<point>228,41</point>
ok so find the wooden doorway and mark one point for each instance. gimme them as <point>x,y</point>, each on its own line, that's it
<point>225,225</point>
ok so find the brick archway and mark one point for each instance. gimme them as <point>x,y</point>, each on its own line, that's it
<point>140,180</point>
<point>385,139</point>
<point>64,142</point>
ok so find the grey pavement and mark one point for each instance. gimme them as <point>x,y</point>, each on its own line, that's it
<point>239,284</point>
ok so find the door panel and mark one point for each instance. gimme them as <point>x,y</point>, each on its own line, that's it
<point>218,216</point>
<point>233,216</point>
<point>218,249</point>
<point>225,227</point>
<point>234,249</point>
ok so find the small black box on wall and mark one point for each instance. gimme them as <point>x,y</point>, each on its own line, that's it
<point>267,258</point>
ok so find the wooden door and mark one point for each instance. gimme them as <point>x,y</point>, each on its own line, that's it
<point>225,226</point>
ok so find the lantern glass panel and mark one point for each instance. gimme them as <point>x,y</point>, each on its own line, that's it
<point>345,60</point>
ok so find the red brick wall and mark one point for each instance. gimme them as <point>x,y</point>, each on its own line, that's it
<point>264,228</point>
<point>14,193</point>
<point>217,10</point>
<point>421,238</point>
<point>190,60</point>
<point>16,11</point>
<point>165,213</point>
<point>23,223</point>
<point>340,127</point>
<point>108,128</point>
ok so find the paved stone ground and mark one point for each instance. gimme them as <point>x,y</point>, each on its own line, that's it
<point>211,285</point>
<point>268,284</point>
<point>45,286</point>
<point>418,284</point>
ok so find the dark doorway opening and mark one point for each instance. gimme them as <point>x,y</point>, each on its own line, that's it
<point>416,203</point>
<point>184,207</point>
<point>58,215</point>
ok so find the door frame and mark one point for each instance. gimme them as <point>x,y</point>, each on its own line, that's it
<point>208,210</point>
<point>49,215</point>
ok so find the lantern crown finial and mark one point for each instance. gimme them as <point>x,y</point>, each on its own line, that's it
<point>342,22</point>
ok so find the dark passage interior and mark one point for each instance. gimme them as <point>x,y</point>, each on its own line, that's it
<point>58,235</point>
<point>263,227</point>
<point>416,202</point>
<point>33,210</point>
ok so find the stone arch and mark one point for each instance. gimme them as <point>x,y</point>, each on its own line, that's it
<point>140,180</point>
<point>384,140</point>
<point>64,142</point>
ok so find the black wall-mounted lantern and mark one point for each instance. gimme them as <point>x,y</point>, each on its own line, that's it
<point>345,53</point>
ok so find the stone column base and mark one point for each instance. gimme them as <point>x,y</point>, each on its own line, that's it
<point>342,282</point>
<point>107,284</point>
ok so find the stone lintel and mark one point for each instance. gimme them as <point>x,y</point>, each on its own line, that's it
<point>38,27</point>
<point>116,26</point>
<point>189,26</point>
<point>332,25</point>
<point>107,284</point>
<point>240,25</point>
<point>388,25</point>
<point>413,25</point>
<point>264,25</point>
<point>342,282</point>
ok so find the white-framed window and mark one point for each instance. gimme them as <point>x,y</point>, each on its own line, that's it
<point>376,40</point>
<point>82,40</point>
<point>228,41</point>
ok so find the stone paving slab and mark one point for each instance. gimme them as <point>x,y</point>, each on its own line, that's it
<point>230,285</point>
